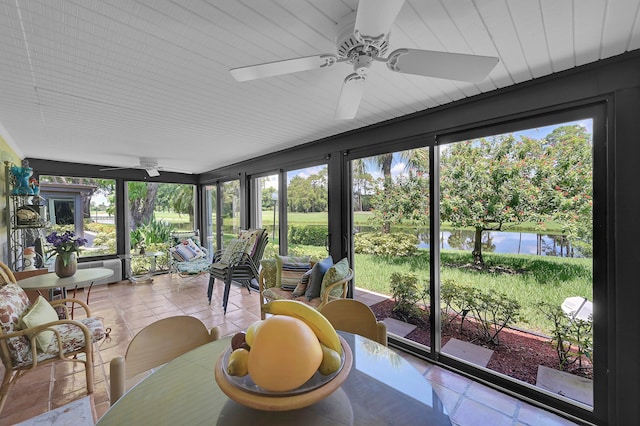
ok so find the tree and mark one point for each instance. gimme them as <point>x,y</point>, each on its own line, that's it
<point>416,159</point>
<point>308,194</point>
<point>402,199</point>
<point>182,200</point>
<point>486,184</point>
<point>142,200</point>
<point>363,185</point>
<point>568,191</point>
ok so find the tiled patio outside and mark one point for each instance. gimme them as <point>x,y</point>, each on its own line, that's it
<point>126,308</point>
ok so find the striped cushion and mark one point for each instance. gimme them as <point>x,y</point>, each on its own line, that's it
<point>292,273</point>
<point>302,285</point>
<point>281,260</point>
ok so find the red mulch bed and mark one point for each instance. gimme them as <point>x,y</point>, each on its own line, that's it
<point>517,355</point>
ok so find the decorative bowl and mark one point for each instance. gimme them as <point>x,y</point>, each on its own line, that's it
<point>245,392</point>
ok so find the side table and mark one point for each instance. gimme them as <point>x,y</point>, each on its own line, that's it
<point>147,276</point>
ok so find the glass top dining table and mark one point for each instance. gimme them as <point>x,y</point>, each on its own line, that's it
<point>382,388</point>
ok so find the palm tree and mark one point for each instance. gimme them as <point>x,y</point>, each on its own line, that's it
<point>416,159</point>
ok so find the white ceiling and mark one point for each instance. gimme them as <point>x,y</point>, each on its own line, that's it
<point>108,81</point>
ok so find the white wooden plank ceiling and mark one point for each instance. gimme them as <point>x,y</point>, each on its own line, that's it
<point>109,81</point>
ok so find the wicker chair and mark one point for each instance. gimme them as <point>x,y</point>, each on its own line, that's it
<point>48,339</point>
<point>329,291</point>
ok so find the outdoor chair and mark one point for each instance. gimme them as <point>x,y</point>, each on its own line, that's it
<point>155,345</point>
<point>187,257</point>
<point>238,261</point>
<point>355,317</point>
<point>41,333</point>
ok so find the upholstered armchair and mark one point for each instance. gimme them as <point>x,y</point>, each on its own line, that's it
<point>40,333</point>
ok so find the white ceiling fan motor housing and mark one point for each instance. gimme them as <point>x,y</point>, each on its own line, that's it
<point>349,46</point>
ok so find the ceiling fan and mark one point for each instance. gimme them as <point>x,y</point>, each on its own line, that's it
<point>148,164</point>
<point>363,38</point>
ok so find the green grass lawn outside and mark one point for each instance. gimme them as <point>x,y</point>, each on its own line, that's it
<point>538,278</point>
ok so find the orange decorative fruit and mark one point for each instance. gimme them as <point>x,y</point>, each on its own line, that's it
<point>284,354</point>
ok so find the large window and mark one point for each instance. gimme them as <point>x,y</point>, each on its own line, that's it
<point>516,269</point>
<point>230,220</point>
<point>266,203</point>
<point>155,211</point>
<point>307,212</point>
<point>513,241</point>
<point>84,206</point>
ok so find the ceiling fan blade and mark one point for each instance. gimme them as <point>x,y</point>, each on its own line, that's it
<point>375,17</point>
<point>270,69</point>
<point>451,66</point>
<point>106,169</point>
<point>153,172</point>
<point>350,96</point>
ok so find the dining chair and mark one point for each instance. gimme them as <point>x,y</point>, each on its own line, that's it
<point>39,333</point>
<point>155,345</point>
<point>355,317</point>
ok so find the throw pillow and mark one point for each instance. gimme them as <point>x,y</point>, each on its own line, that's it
<point>234,246</point>
<point>302,285</point>
<point>195,248</point>
<point>40,313</point>
<point>269,271</point>
<point>291,273</point>
<point>281,260</point>
<point>177,256</point>
<point>185,252</point>
<point>14,303</point>
<point>336,273</point>
<point>315,282</point>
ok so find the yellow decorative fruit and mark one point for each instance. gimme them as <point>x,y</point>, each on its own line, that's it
<point>251,332</point>
<point>284,354</point>
<point>238,364</point>
<point>331,361</point>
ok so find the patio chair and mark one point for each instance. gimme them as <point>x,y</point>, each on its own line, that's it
<point>239,261</point>
<point>355,317</point>
<point>34,334</point>
<point>187,257</point>
<point>155,345</point>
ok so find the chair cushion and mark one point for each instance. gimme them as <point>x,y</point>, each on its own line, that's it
<point>14,303</point>
<point>269,272</point>
<point>277,293</point>
<point>294,268</point>
<point>317,274</point>
<point>40,313</point>
<point>193,267</point>
<point>72,340</point>
<point>234,246</point>
<point>337,272</point>
<point>251,236</point>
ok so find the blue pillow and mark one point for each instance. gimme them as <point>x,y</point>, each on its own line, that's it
<point>317,273</point>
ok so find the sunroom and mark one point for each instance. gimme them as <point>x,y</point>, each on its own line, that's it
<point>468,211</point>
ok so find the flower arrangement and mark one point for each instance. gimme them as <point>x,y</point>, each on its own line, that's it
<point>65,244</point>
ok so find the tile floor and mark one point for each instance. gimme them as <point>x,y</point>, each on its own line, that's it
<point>126,308</point>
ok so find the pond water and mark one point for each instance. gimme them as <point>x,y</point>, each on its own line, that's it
<point>507,242</point>
<point>500,242</point>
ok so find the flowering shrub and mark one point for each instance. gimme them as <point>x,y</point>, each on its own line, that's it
<point>394,244</point>
<point>65,244</point>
